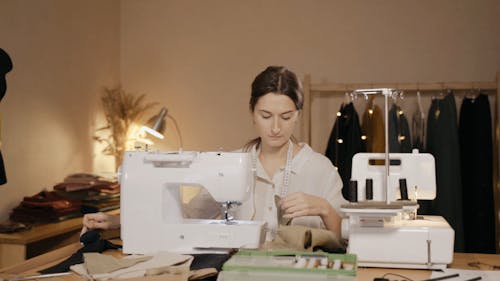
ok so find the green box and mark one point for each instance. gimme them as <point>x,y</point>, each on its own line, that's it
<point>276,265</point>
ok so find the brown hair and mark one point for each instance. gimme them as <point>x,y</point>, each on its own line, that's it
<point>278,80</point>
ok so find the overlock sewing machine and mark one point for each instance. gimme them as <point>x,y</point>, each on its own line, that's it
<point>382,224</point>
<point>153,201</point>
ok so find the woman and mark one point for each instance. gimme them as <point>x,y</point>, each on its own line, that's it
<point>306,182</point>
<point>308,186</point>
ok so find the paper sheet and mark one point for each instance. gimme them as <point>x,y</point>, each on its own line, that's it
<point>486,275</point>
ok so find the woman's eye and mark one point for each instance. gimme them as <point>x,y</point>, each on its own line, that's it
<point>286,117</point>
<point>266,116</point>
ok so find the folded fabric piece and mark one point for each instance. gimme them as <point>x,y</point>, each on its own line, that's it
<point>98,263</point>
<point>101,198</point>
<point>100,203</point>
<point>102,207</point>
<point>49,199</point>
<point>81,177</point>
<point>216,261</point>
<point>34,217</point>
<point>298,237</point>
<point>45,206</point>
<point>159,263</point>
<point>98,185</point>
<point>77,258</point>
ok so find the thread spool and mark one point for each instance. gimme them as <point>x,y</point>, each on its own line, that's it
<point>353,191</point>
<point>336,264</point>
<point>403,189</point>
<point>369,189</point>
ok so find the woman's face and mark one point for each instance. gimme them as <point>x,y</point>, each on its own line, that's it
<point>275,117</point>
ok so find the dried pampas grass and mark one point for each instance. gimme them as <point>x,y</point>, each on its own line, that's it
<point>121,110</point>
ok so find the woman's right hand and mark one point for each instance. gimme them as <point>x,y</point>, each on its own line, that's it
<point>100,221</point>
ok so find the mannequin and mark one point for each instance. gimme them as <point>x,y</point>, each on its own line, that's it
<point>5,67</point>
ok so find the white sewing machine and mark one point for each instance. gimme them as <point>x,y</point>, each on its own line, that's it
<point>152,216</point>
<point>385,231</point>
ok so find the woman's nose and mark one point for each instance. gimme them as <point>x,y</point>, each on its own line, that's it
<point>276,126</point>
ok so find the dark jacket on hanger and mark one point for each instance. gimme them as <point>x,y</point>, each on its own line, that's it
<point>399,131</point>
<point>5,66</point>
<point>345,141</point>
<point>418,130</point>
<point>442,143</point>
<point>372,127</point>
<point>476,151</point>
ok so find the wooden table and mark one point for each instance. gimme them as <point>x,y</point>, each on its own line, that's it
<point>19,246</point>
<point>460,261</point>
<point>31,266</point>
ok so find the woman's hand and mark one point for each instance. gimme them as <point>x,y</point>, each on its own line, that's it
<point>300,204</point>
<point>100,221</point>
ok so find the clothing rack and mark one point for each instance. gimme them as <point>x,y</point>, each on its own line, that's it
<point>312,90</point>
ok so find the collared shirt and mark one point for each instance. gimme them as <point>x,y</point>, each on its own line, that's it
<point>311,173</point>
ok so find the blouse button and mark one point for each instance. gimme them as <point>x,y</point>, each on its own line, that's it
<point>270,208</point>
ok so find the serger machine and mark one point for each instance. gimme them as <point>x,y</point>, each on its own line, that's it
<point>382,224</point>
<point>152,217</point>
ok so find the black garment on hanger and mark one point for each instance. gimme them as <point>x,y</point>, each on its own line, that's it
<point>372,127</point>
<point>5,66</point>
<point>345,141</point>
<point>443,144</point>
<point>418,130</point>
<point>399,131</point>
<point>476,151</point>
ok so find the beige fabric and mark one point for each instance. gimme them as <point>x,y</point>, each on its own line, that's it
<point>312,173</point>
<point>159,263</point>
<point>298,237</point>
<point>307,238</point>
<point>97,263</point>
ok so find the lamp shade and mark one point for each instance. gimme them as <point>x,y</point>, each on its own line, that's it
<point>156,125</point>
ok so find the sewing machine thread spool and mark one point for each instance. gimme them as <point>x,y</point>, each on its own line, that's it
<point>403,189</point>
<point>369,189</point>
<point>353,191</point>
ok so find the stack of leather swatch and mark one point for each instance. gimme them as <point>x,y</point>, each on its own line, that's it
<point>45,206</point>
<point>96,194</point>
<point>78,194</point>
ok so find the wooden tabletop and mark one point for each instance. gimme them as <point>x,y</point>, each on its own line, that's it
<point>460,261</point>
<point>43,231</point>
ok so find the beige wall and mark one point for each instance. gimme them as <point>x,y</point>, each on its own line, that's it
<point>199,58</point>
<point>63,53</point>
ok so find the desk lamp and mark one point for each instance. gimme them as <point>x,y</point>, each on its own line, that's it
<point>156,126</point>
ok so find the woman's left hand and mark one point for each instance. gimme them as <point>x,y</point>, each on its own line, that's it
<point>300,204</point>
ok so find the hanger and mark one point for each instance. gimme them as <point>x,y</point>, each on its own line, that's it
<point>419,103</point>
<point>394,98</point>
<point>401,95</point>
<point>473,93</point>
<point>347,98</point>
<point>440,95</point>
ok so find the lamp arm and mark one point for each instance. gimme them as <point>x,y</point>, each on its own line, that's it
<point>178,131</point>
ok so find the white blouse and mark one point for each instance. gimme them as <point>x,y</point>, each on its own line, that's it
<point>311,173</point>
